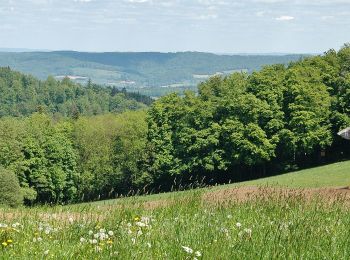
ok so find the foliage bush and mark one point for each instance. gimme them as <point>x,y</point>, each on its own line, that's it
<point>10,191</point>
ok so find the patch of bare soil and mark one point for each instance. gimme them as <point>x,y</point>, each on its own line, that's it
<point>243,194</point>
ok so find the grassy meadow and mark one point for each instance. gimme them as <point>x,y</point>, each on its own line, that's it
<point>189,226</point>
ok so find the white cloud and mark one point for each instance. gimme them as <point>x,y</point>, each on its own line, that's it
<point>285,18</point>
<point>206,17</point>
<point>327,17</point>
<point>137,1</point>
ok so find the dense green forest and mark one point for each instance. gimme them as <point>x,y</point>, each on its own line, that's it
<point>237,127</point>
<point>150,73</point>
<point>22,95</point>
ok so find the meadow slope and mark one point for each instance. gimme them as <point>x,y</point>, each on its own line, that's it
<point>194,224</point>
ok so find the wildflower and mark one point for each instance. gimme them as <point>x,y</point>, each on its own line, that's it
<point>248,231</point>
<point>109,242</point>
<point>82,240</point>
<point>187,249</point>
<point>197,253</point>
<point>110,233</point>
<point>149,245</point>
<point>141,224</point>
<point>14,225</point>
<point>93,241</point>
<point>4,244</point>
<point>146,220</point>
<point>71,220</point>
<point>102,230</point>
<point>91,232</point>
<point>9,241</point>
<point>137,219</point>
<point>39,239</point>
<point>229,216</point>
<point>3,225</point>
<point>47,231</point>
<point>46,252</point>
<point>238,224</point>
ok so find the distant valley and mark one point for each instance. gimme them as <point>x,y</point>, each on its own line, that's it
<point>149,73</point>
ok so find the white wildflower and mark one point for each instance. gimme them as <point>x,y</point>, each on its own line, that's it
<point>110,233</point>
<point>248,231</point>
<point>39,239</point>
<point>146,220</point>
<point>91,232</point>
<point>46,252</point>
<point>188,249</point>
<point>229,216</point>
<point>197,253</point>
<point>238,224</point>
<point>82,240</point>
<point>141,224</point>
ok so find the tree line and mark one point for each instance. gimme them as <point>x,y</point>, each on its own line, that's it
<point>22,95</point>
<point>235,128</point>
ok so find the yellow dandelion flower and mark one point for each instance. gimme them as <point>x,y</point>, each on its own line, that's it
<point>109,242</point>
<point>9,241</point>
<point>4,243</point>
<point>137,218</point>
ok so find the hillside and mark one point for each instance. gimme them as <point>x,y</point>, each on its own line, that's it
<point>332,175</point>
<point>335,175</point>
<point>237,223</point>
<point>22,95</point>
<point>155,73</point>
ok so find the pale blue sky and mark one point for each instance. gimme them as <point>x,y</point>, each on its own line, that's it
<point>221,26</point>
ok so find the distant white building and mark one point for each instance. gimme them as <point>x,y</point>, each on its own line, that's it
<point>345,133</point>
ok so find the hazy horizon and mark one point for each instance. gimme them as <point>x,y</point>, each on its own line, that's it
<point>23,50</point>
<point>252,26</point>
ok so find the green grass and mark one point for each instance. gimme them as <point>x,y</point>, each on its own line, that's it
<point>275,227</point>
<point>332,175</point>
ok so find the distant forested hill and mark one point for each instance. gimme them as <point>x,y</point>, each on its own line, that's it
<point>22,95</point>
<point>162,71</point>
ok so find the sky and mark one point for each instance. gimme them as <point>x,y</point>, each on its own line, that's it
<point>218,26</point>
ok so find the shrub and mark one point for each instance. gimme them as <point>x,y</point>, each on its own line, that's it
<point>29,195</point>
<point>10,191</point>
